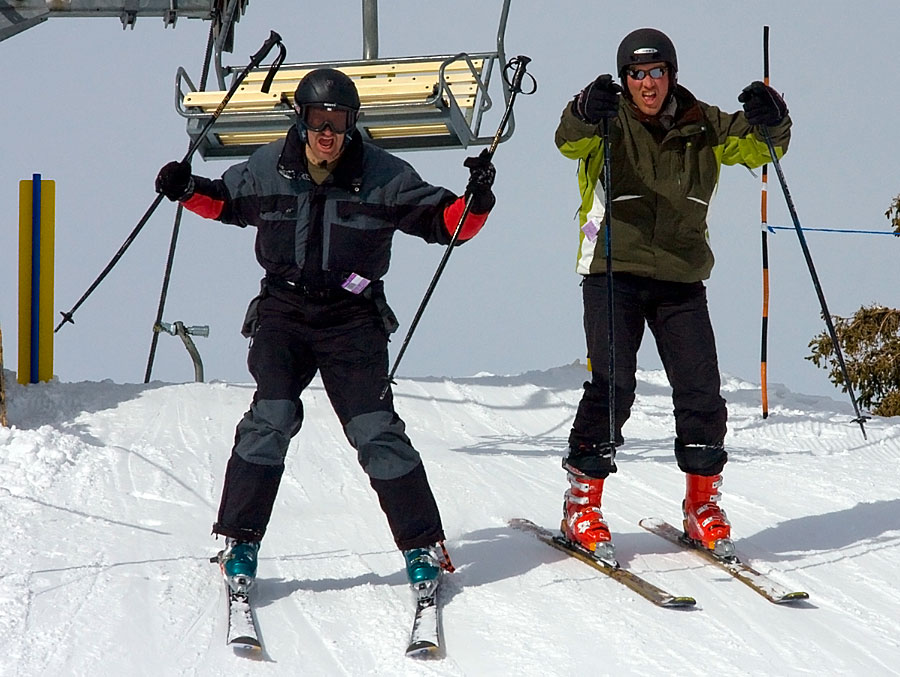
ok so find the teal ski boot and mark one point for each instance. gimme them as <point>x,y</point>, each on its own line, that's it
<point>238,561</point>
<point>423,569</point>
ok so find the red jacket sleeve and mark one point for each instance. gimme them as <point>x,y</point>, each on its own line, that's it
<point>208,199</point>
<point>470,227</point>
<point>206,206</point>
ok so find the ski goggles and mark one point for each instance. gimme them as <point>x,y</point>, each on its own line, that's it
<point>639,73</point>
<point>318,119</point>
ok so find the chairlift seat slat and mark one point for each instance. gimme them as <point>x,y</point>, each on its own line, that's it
<point>368,70</point>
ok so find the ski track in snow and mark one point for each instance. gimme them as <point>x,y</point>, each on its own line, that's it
<point>109,492</point>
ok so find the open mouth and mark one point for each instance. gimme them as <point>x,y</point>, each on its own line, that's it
<point>325,144</point>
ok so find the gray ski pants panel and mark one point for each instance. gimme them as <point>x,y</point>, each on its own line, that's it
<point>265,431</point>
<point>383,449</point>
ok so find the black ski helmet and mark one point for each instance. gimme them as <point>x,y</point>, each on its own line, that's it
<point>326,88</point>
<point>646,45</point>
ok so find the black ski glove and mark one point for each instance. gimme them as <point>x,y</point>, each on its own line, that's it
<point>598,100</point>
<point>762,104</point>
<point>175,181</point>
<point>481,178</point>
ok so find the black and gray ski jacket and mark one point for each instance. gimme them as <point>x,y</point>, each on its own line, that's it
<point>321,234</point>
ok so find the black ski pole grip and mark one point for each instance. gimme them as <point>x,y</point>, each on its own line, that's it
<point>521,62</point>
<point>276,64</point>
<point>256,59</point>
<point>267,46</point>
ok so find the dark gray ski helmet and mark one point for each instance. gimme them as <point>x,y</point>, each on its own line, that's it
<point>326,88</point>
<point>645,45</point>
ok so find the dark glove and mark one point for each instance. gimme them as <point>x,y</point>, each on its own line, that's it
<point>175,181</point>
<point>598,100</point>
<point>762,104</point>
<point>481,178</point>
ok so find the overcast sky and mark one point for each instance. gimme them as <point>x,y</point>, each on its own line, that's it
<point>92,107</point>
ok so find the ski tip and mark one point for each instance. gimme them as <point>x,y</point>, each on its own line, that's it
<point>798,596</point>
<point>250,644</point>
<point>423,649</point>
<point>651,522</point>
<point>520,522</point>
<point>526,525</point>
<point>682,601</point>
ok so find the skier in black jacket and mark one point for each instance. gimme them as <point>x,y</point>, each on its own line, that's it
<point>326,206</point>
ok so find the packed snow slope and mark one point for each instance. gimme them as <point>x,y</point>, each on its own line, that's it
<point>108,493</point>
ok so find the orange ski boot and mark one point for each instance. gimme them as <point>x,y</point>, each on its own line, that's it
<point>583,523</point>
<point>705,523</point>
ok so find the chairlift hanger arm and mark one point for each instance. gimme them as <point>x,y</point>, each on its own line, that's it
<point>24,14</point>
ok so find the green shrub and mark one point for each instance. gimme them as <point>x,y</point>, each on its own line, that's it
<point>870,343</point>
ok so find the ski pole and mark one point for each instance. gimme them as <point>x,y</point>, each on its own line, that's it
<point>170,259</point>
<point>860,419</point>
<point>515,88</point>
<point>763,203</point>
<point>176,226</point>
<point>255,60</point>
<point>610,333</point>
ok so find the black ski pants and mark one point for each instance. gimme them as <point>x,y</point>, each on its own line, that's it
<point>343,337</point>
<point>678,317</point>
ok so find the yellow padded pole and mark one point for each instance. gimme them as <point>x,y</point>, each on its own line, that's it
<point>37,220</point>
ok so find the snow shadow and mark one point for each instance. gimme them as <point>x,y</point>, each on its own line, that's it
<point>271,590</point>
<point>875,525</point>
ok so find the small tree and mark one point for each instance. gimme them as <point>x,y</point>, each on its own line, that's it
<point>893,215</point>
<point>870,342</point>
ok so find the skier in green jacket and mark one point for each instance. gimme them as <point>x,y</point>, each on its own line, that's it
<point>666,151</point>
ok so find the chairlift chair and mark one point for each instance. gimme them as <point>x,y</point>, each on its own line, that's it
<point>407,103</point>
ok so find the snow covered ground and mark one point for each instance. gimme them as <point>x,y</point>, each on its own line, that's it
<point>108,493</point>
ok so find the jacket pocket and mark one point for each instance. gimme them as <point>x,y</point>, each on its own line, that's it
<point>251,318</point>
<point>362,212</point>
<point>359,238</point>
<point>277,226</point>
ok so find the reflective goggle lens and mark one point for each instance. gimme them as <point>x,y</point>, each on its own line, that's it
<point>639,74</point>
<point>316,119</point>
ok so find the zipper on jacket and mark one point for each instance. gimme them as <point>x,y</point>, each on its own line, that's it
<point>583,168</point>
<point>315,263</point>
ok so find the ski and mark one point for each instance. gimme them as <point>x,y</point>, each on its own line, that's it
<point>742,571</point>
<point>629,579</point>
<point>425,637</point>
<point>243,633</point>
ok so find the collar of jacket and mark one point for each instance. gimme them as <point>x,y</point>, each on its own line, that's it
<point>292,163</point>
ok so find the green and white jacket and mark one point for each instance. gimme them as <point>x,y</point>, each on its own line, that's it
<point>664,173</point>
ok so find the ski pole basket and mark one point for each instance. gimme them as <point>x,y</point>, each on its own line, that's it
<point>407,103</point>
